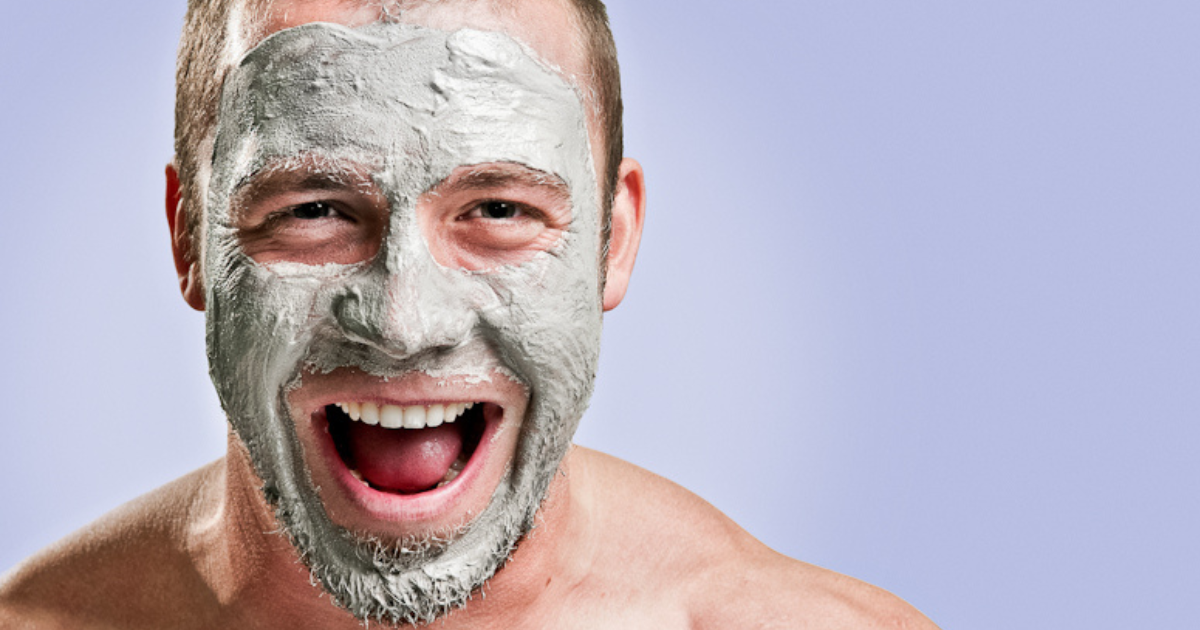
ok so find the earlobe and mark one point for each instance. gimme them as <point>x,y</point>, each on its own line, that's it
<point>628,215</point>
<point>187,266</point>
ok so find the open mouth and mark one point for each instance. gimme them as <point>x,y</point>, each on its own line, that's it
<point>408,449</point>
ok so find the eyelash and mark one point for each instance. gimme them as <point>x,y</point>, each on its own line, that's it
<point>330,210</point>
<point>519,210</point>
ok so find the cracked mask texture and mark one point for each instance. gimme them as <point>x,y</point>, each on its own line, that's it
<point>409,104</point>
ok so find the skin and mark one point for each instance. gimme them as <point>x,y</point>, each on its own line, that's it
<point>203,551</point>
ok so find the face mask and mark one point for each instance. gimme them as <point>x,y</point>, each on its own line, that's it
<point>410,105</point>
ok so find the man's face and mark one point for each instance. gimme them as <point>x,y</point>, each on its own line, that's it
<point>402,232</point>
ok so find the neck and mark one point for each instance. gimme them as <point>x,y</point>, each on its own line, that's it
<point>257,578</point>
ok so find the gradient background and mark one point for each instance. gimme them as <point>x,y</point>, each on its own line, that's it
<point>917,298</point>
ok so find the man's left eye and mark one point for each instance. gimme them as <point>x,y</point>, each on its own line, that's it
<point>313,210</point>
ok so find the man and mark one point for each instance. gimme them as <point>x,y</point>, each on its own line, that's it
<point>403,221</point>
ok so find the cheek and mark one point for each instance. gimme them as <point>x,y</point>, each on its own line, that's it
<point>549,322</point>
<point>263,310</point>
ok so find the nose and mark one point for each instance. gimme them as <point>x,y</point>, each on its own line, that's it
<point>405,313</point>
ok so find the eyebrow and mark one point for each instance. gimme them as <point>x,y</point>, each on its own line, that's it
<point>283,177</point>
<point>504,176</point>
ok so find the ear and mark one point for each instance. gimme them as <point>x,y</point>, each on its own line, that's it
<point>187,265</point>
<point>628,214</point>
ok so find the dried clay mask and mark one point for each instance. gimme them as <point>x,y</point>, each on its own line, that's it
<point>403,106</point>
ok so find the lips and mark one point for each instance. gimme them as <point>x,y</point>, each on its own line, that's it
<point>396,481</point>
<point>408,449</point>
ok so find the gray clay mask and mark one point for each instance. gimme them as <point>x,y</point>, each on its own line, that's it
<point>405,105</point>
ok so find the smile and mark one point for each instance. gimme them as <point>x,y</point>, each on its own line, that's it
<point>406,449</point>
<point>410,455</point>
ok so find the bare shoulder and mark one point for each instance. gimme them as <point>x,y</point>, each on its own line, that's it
<point>720,575</point>
<point>123,570</point>
<point>773,591</point>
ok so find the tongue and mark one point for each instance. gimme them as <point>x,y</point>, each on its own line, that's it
<point>404,460</point>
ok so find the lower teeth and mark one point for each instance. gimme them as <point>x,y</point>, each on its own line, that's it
<point>451,474</point>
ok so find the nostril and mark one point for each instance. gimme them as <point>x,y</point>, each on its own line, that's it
<point>352,315</point>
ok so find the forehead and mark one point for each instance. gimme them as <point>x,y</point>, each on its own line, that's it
<point>402,91</point>
<point>550,29</point>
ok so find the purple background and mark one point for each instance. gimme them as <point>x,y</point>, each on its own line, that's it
<point>917,299</point>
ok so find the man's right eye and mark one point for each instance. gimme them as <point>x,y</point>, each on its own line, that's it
<point>314,214</point>
<point>344,229</point>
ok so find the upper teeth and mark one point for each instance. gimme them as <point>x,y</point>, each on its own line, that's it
<point>407,417</point>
